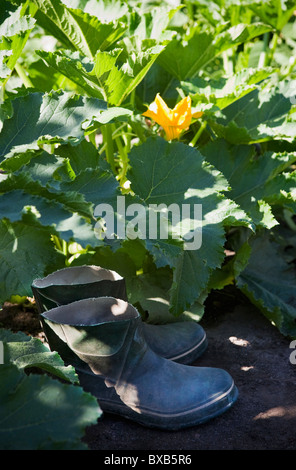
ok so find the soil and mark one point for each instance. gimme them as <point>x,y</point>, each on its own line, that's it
<point>241,341</point>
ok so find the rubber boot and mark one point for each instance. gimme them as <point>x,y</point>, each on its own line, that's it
<point>103,339</point>
<point>181,342</point>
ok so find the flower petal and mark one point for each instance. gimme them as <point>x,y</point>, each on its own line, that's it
<point>174,120</point>
<point>198,114</point>
<point>182,113</point>
<point>159,112</point>
<point>183,105</point>
<point>172,132</point>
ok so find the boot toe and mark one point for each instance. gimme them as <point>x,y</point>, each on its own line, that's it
<point>181,342</point>
<point>178,395</point>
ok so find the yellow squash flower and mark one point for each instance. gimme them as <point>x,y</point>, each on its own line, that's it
<point>174,120</point>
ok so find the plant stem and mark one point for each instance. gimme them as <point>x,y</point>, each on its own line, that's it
<point>61,245</point>
<point>2,93</point>
<point>138,130</point>
<point>227,63</point>
<point>22,74</point>
<point>198,134</point>
<point>133,98</point>
<point>92,138</point>
<point>122,149</point>
<point>263,56</point>
<point>273,47</point>
<point>107,138</point>
<point>290,68</point>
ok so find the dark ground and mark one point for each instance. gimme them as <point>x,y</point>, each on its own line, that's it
<point>241,341</point>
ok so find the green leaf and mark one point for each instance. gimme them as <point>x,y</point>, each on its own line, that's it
<point>25,253</point>
<point>117,83</point>
<point>76,29</point>
<point>14,33</point>
<point>71,200</point>
<point>231,269</point>
<point>106,10</point>
<point>38,412</point>
<point>240,124</point>
<point>152,24</point>
<point>45,78</point>
<point>269,281</point>
<point>173,173</point>
<point>66,204</point>
<point>38,118</point>
<point>20,206</point>
<point>178,59</point>
<point>158,79</point>
<point>257,182</point>
<point>75,67</point>
<point>81,156</point>
<point>226,90</point>
<point>111,115</point>
<point>272,12</point>
<point>26,352</point>
<point>105,77</point>
<point>150,294</point>
<point>96,185</point>
<point>121,260</point>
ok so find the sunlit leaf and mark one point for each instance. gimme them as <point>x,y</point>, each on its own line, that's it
<point>52,115</point>
<point>179,60</point>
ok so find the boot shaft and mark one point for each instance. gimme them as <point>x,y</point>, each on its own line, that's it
<point>75,283</point>
<point>96,335</point>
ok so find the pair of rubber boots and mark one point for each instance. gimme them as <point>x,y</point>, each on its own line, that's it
<point>134,369</point>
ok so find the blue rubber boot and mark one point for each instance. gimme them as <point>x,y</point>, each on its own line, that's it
<point>103,339</point>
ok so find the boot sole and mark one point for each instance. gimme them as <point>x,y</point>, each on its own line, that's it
<point>111,403</point>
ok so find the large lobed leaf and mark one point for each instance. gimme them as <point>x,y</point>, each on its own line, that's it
<point>40,117</point>
<point>178,58</point>
<point>106,77</point>
<point>25,253</point>
<point>240,124</point>
<point>39,411</point>
<point>166,173</point>
<point>258,183</point>
<point>269,282</point>
<point>27,352</point>
<point>226,90</point>
<point>76,29</point>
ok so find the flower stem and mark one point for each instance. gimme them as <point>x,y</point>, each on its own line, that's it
<point>198,134</point>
